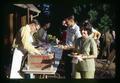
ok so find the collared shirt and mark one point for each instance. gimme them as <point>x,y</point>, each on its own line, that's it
<point>87,47</point>
<point>24,40</point>
<point>72,34</point>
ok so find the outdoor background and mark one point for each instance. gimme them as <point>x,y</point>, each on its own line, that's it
<point>103,14</point>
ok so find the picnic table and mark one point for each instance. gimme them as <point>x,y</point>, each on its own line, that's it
<point>52,71</point>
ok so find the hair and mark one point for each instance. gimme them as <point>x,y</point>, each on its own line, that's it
<point>87,26</point>
<point>35,22</point>
<point>70,17</point>
<point>44,22</point>
<point>86,22</point>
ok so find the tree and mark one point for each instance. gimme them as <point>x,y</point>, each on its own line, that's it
<point>93,15</point>
<point>105,23</point>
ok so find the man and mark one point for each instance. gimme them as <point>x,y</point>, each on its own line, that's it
<point>109,40</point>
<point>95,33</point>
<point>41,34</point>
<point>73,33</point>
<point>73,30</point>
<point>23,45</point>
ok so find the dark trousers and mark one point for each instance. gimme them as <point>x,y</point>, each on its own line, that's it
<point>24,61</point>
<point>67,63</point>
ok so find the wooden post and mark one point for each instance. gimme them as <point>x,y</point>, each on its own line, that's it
<point>28,11</point>
<point>31,17</point>
<point>11,27</point>
<point>23,20</point>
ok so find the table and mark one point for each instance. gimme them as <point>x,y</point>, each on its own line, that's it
<point>58,55</point>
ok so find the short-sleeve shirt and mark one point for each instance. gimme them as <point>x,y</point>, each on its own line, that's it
<point>72,34</point>
<point>87,47</point>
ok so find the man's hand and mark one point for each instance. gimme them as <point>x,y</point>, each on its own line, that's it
<point>51,56</point>
<point>65,47</point>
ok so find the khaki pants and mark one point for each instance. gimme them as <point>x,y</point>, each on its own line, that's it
<point>84,75</point>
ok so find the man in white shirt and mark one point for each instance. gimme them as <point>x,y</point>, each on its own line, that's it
<point>73,33</point>
<point>73,30</point>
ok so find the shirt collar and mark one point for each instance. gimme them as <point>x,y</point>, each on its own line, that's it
<point>73,27</point>
<point>28,29</point>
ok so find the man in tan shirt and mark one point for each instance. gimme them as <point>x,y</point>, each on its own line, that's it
<point>23,44</point>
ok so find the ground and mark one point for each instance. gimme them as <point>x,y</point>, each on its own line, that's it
<point>105,72</point>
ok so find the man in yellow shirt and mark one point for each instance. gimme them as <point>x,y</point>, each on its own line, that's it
<point>23,44</point>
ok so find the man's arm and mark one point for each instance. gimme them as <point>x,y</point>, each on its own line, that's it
<point>96,33</point>
<point>25,35</point>
<point>78,33</point>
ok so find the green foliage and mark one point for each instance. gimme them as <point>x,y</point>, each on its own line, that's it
<point>93,15</point>
<point>51,38</point>
<point>105,7</point>
<point>77,10</point>
<point>99,15</point>
<point>105,23</point>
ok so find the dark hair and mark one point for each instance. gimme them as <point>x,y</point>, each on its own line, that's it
<point>87,22</point>
<point>87,26</point>
<point>44,22</point>
<point>35,22</point>
<point>70,17</point>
